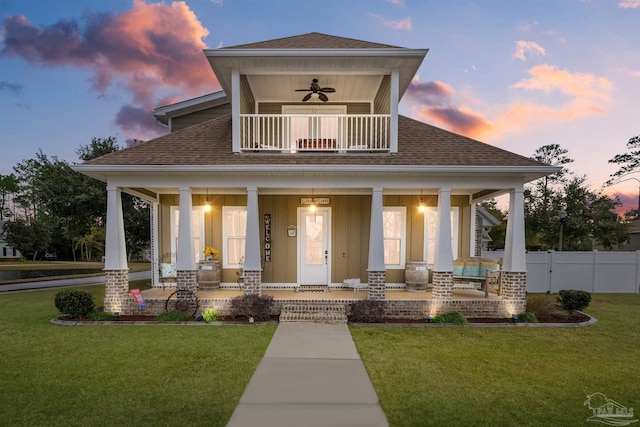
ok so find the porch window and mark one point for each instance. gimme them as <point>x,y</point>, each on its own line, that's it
<point>197,230</point>
<point>430,227</point>
<point>234,232</point>
<point>395,236</point>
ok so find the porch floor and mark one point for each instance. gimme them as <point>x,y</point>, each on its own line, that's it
<point>335,294</point>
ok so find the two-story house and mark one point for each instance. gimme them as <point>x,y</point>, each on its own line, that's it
<point>302,172</point>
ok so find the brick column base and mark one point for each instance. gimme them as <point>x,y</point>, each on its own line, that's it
<point>186,283</point>
<point>514,290</point>
<point>443,285</point>
<point>252,282</point>
<point>116,290</point>
<point>377,281</point>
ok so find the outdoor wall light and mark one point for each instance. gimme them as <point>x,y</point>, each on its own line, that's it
<point>207,204</point>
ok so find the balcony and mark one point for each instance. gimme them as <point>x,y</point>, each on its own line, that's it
<point>294,133</point>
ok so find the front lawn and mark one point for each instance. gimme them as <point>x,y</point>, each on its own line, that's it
<point>119,375</point>
<point>521,376</point>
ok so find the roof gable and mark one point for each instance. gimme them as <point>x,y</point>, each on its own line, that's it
<point>313,41</point>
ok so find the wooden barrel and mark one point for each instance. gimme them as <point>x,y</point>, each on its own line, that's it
<point>416,276</point>
<point>209,275</point>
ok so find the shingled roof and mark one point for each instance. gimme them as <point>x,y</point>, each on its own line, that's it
<point>209,143</point>
<point>313,41</point>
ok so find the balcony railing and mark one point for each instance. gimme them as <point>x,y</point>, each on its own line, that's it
<point>291,133</point>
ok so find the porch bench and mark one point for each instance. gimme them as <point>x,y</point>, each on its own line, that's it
<point>474,270</point>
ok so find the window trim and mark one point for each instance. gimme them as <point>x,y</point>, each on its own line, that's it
<point>226,237</point>
<point>403,237</point>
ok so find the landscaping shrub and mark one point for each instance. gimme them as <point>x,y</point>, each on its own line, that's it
<point>572,300</point>
<point>173,316</point>
<point>210,316</point>
<point>527,317</point>
<point>366,311</point>
<point>258,307</point>
<point>74,303</point>
<point>451,317</point>
<point>101,315</point>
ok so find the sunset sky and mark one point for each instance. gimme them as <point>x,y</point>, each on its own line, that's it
<point>515,74</point>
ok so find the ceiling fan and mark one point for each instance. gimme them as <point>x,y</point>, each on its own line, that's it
<point>315,88</point>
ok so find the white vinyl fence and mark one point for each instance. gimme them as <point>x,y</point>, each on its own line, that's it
<point>595,272</point>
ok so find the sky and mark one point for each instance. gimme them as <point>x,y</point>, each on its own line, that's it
<point>514,74</point>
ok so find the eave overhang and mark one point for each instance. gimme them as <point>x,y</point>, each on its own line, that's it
<point>379,61</point>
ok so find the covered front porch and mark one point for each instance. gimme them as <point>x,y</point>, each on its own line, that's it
<point>383,282</point>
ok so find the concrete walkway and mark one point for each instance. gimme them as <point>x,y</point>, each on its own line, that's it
<point>311,375</point>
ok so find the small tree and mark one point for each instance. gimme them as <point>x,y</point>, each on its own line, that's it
<point>27,237</point>
<point>572,300</point>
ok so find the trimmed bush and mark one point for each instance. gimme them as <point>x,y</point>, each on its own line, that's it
<point>451,317</point>
<point>366,311</point>
<point>101,315</point>
<point>74,303</point>
<point>173,316</point>
<point>527,317</point>
<point>210,316</point>
<point>572,300</point>
<point>258,307</point>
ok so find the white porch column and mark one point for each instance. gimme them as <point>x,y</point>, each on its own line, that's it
<point>514,276</point>
<point>115,248</point>
<point>115,265</point>
<point>235,110</point>
<point>393,110</point>
<point>443,257</point>
<point>187,275</point>
<point>515,258</point>
<point>252,259</point>
<point>155,256</point>
<point>185,258</point>
<point>376,271</point>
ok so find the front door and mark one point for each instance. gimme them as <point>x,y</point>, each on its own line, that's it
<point>314,246</point>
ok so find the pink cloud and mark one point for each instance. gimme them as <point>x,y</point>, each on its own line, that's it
<point>585,94</point>
<point>524,47</point>
<point>396,24</point>
<point>434,102</point>
<point>629,4</point>
<point>147,49</point>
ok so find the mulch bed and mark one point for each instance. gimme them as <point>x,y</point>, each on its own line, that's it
<point>557,318</point>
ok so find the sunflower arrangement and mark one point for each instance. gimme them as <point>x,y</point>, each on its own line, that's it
<point>210,251</point>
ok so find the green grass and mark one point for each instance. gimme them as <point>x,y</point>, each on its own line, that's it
<point>505,376</point>
<point>119,375</point>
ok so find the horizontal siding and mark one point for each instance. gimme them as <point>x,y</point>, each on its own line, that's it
<point>178,123</point>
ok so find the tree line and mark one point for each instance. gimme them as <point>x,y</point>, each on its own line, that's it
<point>563,204</point>
<point>49,207</point>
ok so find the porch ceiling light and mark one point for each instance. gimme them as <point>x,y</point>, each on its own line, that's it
<point>421,206</point>
<point>207,204</point>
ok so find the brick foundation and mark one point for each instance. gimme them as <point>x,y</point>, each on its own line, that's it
<point>419,309</point>
<point>442,285</point>
<point>186,283</point>
<point>252,282</point>
<point>377,281</point>
<point>514,290</point>
<point>116,296</point>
